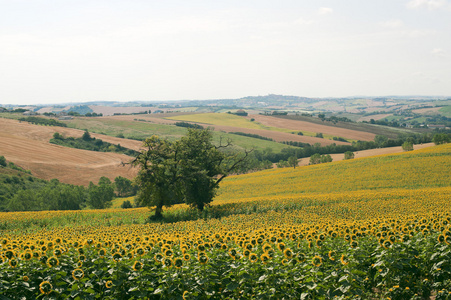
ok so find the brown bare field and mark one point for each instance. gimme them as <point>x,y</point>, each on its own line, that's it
<point>312,127</point>
<point>366,153</point>
<point>428,111</point>
<point>28,146</point>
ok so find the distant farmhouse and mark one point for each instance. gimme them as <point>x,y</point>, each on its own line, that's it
<point>65,118</point>
<point>437,126</point>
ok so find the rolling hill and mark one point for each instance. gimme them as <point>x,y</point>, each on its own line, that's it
<point>28,146</point>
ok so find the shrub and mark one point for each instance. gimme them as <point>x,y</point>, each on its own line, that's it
<point>126,204</point>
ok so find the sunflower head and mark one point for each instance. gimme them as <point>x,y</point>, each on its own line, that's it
<point>203,259</point>
<point>167,262</point>
<point>317,261</point>
<point>178,262</point>
<point>102,252</point>
<point>168,253</point>
<point>158,257</point>
<point>201,247</point>
<point>288,253</point>
<point>232,253</point>
<point>301,257</point>
<point>386,244</point>
<point>130,255</point>
<point>117,256</point>
<point>137,266</point>
<point>9,254</point>
<point>52,262</point>
<point>344,260</point>
<point>13,262</point>
<point>265,258</point>
<point>28,255</point>
<point>109,284</point>
<point>246,252</point>
<point>253,257</point>
<point>78,274</point>
<point>319,243</point>
<point>270,253</point>
<point>45,287</point>
<point>185,295</point>
<point>140,251</point>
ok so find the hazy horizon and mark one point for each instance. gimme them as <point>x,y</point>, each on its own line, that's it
<point>83,51</point>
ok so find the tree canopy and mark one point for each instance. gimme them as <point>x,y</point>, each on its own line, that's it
<point>188,170</point>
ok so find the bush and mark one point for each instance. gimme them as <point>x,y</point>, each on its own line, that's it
<point>126,204</point>
<point>441,138</point>
<point>349,155</point>
<point>2,161</point>
<point>407,146</point>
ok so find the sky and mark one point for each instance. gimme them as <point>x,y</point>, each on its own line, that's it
<point>59,51</point>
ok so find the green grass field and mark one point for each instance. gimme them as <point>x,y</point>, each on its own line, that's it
<point>222,119</point>
<point>139,129</point>
<point>445,111</point>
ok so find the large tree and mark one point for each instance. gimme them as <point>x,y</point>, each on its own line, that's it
<point>188,170</point>
<point>101,196</point>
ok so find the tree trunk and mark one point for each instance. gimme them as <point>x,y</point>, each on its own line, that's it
<point>159,212</point>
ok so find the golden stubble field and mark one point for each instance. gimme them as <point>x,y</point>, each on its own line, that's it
<point>28,146</point>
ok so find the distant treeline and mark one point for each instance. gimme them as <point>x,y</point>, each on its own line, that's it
<point>43,121</point>
<point>334,119</point>
<point>255,136</point>
<point>87,142</point>
<point>188,125</point>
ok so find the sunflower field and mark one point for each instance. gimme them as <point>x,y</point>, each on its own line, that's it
<point>376,228</point>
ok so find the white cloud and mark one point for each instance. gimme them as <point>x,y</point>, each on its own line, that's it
<point>438,52</point>
<point>325,10</point>
<point>429,4</point>
<point>392,24</point>
<point>302,21</point>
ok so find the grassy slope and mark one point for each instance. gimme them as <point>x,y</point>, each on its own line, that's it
<point>445,111</point>
<point>218,119</point>
<point>224,119</point>
<point>147,129</point>
<point>417,169</point>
